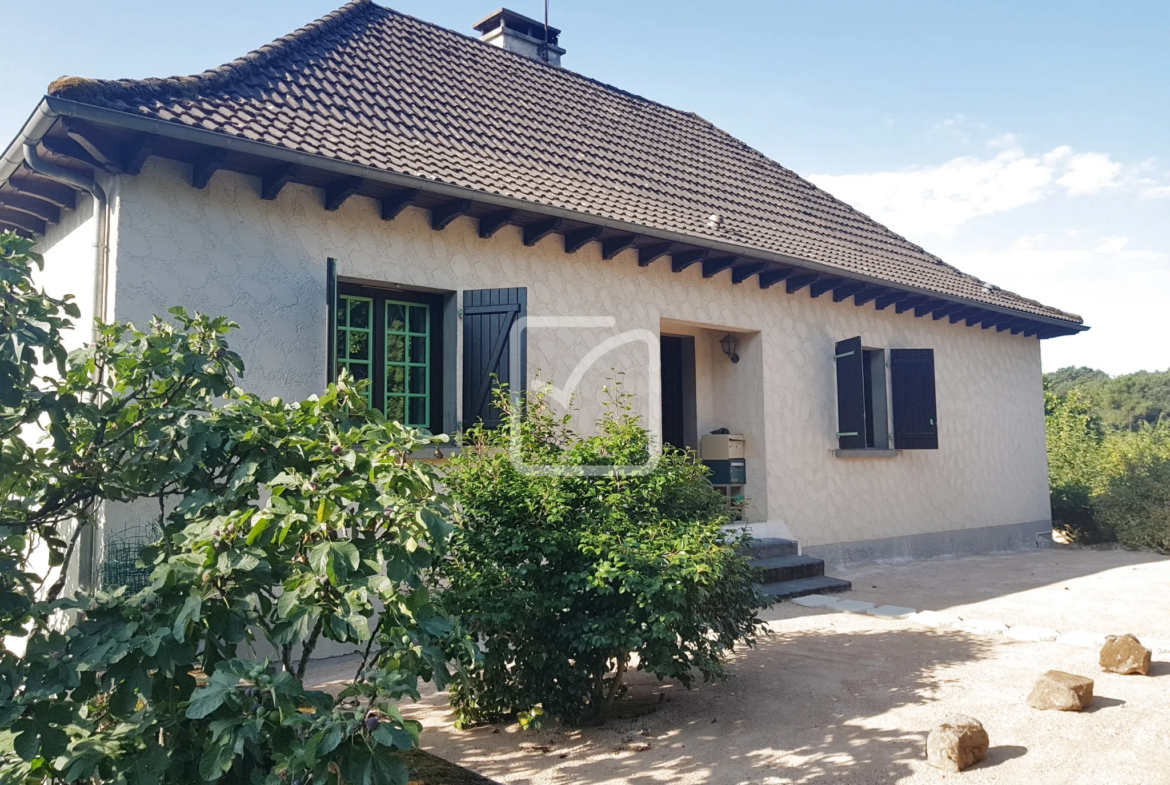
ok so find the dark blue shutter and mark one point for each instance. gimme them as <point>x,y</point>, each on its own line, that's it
<point>850,394</point>
<point>488,317</point>
<point>330,321</point>
<point>912,390</point>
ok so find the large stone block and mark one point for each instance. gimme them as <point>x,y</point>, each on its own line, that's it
<point>1125,654</point>
<point>956,743</point>
<point>1060,691</point>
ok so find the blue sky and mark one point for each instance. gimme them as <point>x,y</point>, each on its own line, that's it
<point>1026,143</point>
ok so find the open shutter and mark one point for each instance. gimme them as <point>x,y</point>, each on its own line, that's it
<point>850,394</point>
<point>330,321</point>
<point>488,356</point>
<point>912,389</point>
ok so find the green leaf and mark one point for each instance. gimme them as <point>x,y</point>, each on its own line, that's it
<point>187,615</point>
<point>213,766</point>
<point>207,699</point>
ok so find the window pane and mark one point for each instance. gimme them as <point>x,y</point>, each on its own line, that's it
<point>396,409</point>
<point>395,348</point>
<point>418,319</point>
<point>360,371</point>
<point>359,313</point>
<point>395,379</point>
<point>359,345</point>
<point>395,318</point>
<point>418,381</point>
<point>418,412</point>
<point>418,349</point>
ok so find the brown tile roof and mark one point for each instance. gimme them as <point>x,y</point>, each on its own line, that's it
<point>371,86</point>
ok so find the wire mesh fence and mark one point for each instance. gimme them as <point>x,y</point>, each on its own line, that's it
<point>120,558</point>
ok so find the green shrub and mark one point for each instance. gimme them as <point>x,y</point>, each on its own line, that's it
<point>1131,503</point>
<point>1075,439</point>
<point>282,525</point>
<point>1134,508</point>
<point>1073,514</point>
<point>569,581</point>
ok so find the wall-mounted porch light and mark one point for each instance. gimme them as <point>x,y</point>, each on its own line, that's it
<point>730,346</point>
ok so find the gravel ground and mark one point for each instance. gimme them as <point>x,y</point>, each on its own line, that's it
<point>844,698</point>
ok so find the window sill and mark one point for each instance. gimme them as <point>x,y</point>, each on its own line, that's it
<point>866,453</point>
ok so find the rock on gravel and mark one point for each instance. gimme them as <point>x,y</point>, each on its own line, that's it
<point>1125,654</point>
<point>956,743</point>
<point>1060,691</point>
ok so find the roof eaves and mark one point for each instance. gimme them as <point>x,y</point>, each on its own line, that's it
<point>70,108</point>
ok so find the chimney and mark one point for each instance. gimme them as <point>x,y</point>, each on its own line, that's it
<point>517,33</point>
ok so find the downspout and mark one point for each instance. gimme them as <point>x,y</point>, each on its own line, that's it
<point>101,242</point>
<point>101,250</point>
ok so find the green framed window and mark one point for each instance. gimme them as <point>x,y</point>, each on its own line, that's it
<point>393,338</point>
<point>408,367</point>
<point>355,338</point>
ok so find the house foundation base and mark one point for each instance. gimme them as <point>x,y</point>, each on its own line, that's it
<point>985,539</point>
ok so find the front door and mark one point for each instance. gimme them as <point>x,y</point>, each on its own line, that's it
<point>678,391</point>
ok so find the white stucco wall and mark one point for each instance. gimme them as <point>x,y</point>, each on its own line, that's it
<point>222,249</point>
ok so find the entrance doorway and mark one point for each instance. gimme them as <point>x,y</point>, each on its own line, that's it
<point>679,420</point>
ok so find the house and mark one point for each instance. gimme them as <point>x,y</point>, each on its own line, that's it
<point>428,210</point>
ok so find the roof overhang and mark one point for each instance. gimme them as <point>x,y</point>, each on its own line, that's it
<point>101,138</point>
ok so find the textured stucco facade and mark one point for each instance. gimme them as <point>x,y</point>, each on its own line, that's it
<point>224,250</point>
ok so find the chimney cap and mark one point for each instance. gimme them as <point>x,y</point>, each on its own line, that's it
<point>517,22</point>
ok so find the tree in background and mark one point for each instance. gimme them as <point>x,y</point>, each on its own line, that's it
<point>282,525</point>
<point>1123,402</point>
<point>1075,439</point>
<point>569,581</point>
<point>1107,484</point>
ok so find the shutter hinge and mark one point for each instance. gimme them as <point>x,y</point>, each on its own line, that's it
<point>846,354</point>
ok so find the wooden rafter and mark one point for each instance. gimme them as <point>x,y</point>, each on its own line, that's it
<point>684,259</point>
<point>579,238</point>
<point>534,233</point>
<point>741,272</point>
<point>444,214</point>
<point>649,253</point>
<point>613,246</point>
<point>817,288</point>
<point>712,267</point>
<point>206,164</point>
<point>495,221</point>
<point>49,190</point>
<point>798,282</point>
<point>38,208</point>
<point>274,180</point>
<point>769,278</point>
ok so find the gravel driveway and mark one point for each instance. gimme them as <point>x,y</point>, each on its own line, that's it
<point>844,698</point>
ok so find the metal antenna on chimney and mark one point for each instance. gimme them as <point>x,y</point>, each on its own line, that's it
<point>542,50</point>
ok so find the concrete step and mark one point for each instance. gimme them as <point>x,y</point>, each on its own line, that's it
<point>822,585</point>
<point>772,547</point>
<point>789,568</point>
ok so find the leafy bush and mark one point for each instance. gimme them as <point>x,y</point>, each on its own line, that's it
<point>283,524</point>
<point>1107,485</point>
<point>569,581</point>
<point>1075,439</point>
<point>1132,501</point>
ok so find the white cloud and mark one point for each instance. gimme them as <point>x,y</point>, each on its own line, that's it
<point>1112,245</point>
<point>938,199</point>
<point>1089,173</point>
<point>1118,289</point>
<point>1151,190</point>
